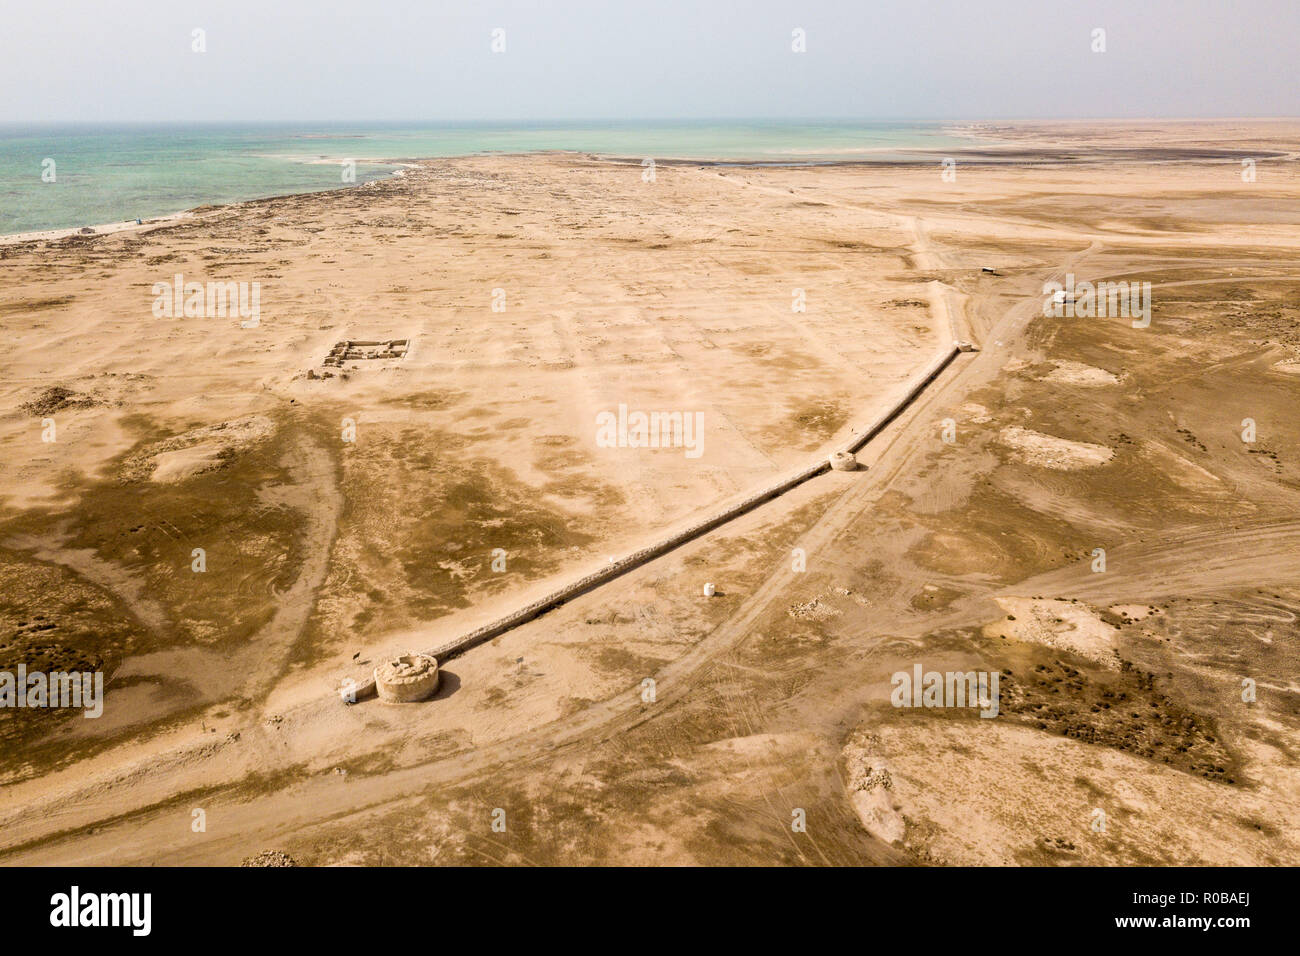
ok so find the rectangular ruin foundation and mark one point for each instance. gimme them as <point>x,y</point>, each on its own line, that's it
<point>358,350</point>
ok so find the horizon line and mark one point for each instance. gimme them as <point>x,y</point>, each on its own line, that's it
<point>518,121</point>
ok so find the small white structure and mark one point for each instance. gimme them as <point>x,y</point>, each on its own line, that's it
<point>844,461</point>
<point>410,677</point>
<point>710,590</point>
<point>964,346</point>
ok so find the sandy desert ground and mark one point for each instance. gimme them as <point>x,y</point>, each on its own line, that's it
<point>536,292</point>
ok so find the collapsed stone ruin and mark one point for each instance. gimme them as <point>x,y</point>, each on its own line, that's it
<point>356,350</point>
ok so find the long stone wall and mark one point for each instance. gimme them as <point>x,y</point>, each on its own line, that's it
<point>638,558</point>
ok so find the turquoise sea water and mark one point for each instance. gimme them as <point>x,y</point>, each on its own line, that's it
<point>115,173</point>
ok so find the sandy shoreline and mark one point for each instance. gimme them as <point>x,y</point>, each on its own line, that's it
<point>110,228</point>
<point>132,225</point>
<point>988,154</point>
<point>100,229</point>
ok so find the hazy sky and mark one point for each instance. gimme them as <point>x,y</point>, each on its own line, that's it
<point>318,60</point>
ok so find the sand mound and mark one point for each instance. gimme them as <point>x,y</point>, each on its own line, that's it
<point>871,788</point>
<point>1062,624</point>
<point>180,464</point>
<point>270,858</point>
<point>1076,373</point>
<point>1183,472</point>
<point>994,793</point>
<point>196,451</point>
<point>55,399</point>
<point>814,610</point>
<point>1035,448</point>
